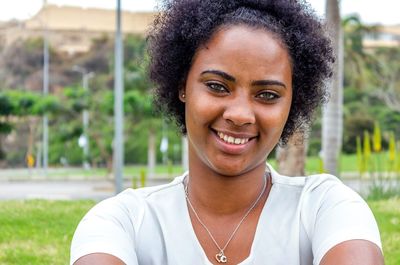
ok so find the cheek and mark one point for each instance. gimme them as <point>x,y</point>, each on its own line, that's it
<point>197,115</point>
<point>274,121</point>
<point>201,107</point>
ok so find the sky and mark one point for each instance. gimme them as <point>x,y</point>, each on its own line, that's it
<point>371,11</point>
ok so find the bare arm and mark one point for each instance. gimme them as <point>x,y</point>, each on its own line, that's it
<point>354,252</point>
<point>99,259</point>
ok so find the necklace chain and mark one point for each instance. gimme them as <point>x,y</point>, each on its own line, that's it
<point>220,257</point>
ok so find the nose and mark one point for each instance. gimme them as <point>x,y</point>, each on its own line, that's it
<point>239,111</point>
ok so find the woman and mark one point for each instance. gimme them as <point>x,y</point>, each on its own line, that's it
<point>238,77</point>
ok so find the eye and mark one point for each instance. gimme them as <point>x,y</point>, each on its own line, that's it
<point>217,87</point>
<point>268,96</point>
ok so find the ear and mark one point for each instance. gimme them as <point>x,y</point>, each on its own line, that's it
<point>182,95</point>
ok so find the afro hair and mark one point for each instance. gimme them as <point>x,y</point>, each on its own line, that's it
<point>184,25</point>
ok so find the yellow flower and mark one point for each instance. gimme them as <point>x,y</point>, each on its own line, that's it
<point>392,147</point>
<point>377,140</point>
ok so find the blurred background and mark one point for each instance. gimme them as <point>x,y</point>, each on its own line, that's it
<point>57,90</point>
<point>77,120</point>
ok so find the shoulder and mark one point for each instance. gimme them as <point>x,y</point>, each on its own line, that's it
<point>132,202</point>
<point>333,213</point>
<point>318,188</point>
<point>308,185</point>
<point>108,228</point>
<point>324,193</point>
<point>111,226</point>
<point>330,212</point>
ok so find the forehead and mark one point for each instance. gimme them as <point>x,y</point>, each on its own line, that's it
<point>243,48</point>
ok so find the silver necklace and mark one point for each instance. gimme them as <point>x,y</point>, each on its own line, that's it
<point>220,256</point>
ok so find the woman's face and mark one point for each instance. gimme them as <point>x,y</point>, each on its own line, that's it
<point>237,99</point>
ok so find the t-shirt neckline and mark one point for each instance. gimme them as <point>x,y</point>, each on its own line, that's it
<point>261,220</point>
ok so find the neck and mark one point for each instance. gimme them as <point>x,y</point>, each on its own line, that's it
<point>224,195</point>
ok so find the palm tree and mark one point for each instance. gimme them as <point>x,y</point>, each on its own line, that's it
<point>292,158</point>
<point>386,71</point>
<point>140,108</point>
<point>332,119</point>
<point>356,72</point>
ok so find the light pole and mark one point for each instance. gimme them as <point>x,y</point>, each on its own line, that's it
<point>84,139</point>
<point>118,147</point>
<point>43,147</point>
<point>45,139</point>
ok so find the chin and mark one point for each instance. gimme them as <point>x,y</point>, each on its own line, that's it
<point>232,169</point>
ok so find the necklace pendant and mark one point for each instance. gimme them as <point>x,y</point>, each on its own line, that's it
<point>221,258</point>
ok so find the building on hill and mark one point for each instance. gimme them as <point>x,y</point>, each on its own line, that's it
<point>70,18</point>
<point>71,29</point>
<point>387,36</point>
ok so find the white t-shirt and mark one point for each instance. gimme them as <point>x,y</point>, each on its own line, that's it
<point>302,219</point>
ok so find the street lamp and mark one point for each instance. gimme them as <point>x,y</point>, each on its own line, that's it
<point>45,140</point>
<point>118,148</point>
<point>84,138</point>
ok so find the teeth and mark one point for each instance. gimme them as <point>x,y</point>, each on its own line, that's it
<point>232,140</point>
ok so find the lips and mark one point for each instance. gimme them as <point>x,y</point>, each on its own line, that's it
<point>233,143</point>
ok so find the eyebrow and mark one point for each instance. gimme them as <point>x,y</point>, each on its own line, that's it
<point>254,83</point>
<point>268,83</point>
<point>220,73</point>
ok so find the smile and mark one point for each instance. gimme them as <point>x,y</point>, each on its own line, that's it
<point>232,140</point>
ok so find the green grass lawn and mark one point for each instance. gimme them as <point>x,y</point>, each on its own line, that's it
<point>387,214</point>
<point>39,232</point>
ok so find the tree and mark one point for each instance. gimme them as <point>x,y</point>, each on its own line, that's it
<point>18,106</point>
<point>356,71</point>
<point>6,108</point>
<point>386,69</point>
<point>139,107</point>
<point>292,158</point>
<point>332,121</point>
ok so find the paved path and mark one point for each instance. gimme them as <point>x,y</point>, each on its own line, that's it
<point>61,190</point>
<point>18,184</point>
<point>363,186</point>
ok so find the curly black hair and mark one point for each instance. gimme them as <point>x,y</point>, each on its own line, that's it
<point>184,25</point>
